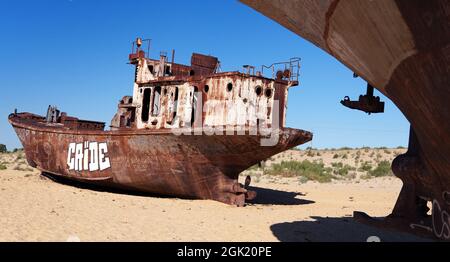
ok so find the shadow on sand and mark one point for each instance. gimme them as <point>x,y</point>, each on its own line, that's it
<point>335,229</point>
<point>98,187</point>
<point>266,196</point>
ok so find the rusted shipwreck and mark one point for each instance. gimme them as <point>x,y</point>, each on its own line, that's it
<point>187,131</point>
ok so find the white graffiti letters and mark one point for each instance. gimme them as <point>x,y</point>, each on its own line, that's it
<point>104,161</point>
<point>441,221</point>
<point>88,156</point>
<point>93,149</point>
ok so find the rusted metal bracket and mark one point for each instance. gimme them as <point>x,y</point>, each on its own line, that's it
<point>367,103</point>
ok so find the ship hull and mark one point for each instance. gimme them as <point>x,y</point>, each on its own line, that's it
<point>160,162</point>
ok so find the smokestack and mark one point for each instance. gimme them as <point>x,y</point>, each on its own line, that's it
<point>173,55</point>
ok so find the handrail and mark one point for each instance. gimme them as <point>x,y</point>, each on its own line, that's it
<point>135,48</point>
<point>293,65</point>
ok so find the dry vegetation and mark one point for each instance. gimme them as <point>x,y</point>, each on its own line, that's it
<point>14,161</point>
<point>327,165</point>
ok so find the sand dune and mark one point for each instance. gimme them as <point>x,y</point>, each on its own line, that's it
<point>35,208</point>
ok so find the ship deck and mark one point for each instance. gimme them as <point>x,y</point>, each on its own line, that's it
<point>35,122</point>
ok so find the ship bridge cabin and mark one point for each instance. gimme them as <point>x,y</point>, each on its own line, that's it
<point>167,95</point>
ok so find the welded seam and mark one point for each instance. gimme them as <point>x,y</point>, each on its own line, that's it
<point>328,16</point>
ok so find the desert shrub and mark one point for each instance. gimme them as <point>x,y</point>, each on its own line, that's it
<point>387,151</point>
<point>345,148</point>
<point>401,147</point>
<point>345,156</point>
<point>337,164</point>
<point>21,168</point>
<point>383,169</point>
<point>341,169</point>
<point>310,153</point>
<point>366,149</point>
<point>3,148</point>
<point>336,156</point>
<point>366,166</point>
<point>302,180</point>
<point>315,171</point>
<point>365,177</point>
<point>2,167</point>
<point>318,154</point>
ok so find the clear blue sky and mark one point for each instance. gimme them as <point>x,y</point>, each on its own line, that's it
<point>73,54</point>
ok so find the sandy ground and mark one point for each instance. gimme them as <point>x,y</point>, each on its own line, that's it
<point>35,208</point>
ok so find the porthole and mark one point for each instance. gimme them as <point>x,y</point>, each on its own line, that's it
<point>258,90</point>
<point>268,92</point>
<point>229,87</point>
<point>206,89</point>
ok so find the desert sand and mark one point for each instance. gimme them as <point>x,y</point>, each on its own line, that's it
<point>35,208</point>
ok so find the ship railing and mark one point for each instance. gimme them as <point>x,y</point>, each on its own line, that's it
<point>141,45</point>
<point>289,70</point>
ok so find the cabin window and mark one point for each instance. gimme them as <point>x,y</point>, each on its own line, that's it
<point>229,87</point>
<point>146,104</point>
<point>167,70</point>
<point>194,106</point>
<point>156,103</point>
<point>175,103</point>
<point>206,88</point>
<point>268,92</point>
<point>165,91</point>
<point>192,72</point>
<point>258,90</point>
<point>150,68</point>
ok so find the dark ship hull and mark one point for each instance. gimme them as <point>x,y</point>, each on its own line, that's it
<point>402,48</point>
<point>154,161</point>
